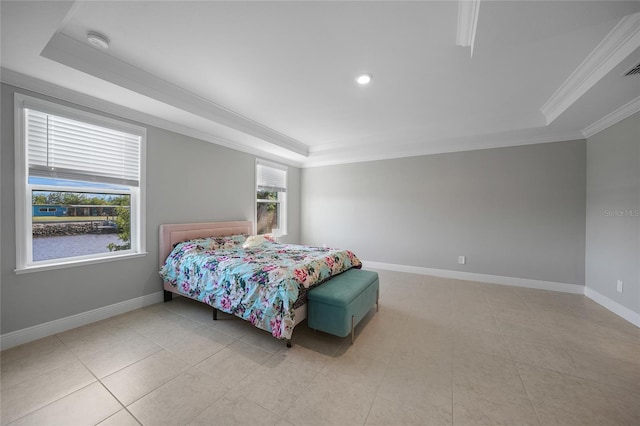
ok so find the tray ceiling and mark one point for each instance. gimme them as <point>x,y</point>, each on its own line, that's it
<point>277,78</point>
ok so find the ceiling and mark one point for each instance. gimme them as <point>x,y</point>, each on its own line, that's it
<point>276,79</point>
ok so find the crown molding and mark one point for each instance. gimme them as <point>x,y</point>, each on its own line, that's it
<point>617,45</point>
<point>25,82</point>
<point>325,156</point>
<point>467,23</point>
<point>609,120</point>
<point>360,154</point>
<point>82,57</point>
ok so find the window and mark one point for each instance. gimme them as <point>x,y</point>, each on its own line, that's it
<point>79,186</point>
<point>271,198</point>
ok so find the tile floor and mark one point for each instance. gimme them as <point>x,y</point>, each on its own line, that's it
<point>438,352</point>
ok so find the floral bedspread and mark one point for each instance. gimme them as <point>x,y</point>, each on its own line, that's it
<point>259,283</point>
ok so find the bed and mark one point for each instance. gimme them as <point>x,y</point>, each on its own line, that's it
<point>259,280</point>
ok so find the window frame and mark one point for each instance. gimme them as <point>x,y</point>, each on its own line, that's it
<point>23,189</point>
<point>282,198</point>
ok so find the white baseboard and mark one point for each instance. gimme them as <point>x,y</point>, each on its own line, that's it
<point>26,335</point>
<point>613,306</point>
<point>469,276</point>
<point>39,331</point>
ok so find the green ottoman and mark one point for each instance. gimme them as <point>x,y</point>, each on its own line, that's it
<point>336,306</point>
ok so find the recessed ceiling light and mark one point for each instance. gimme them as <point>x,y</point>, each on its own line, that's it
<point>98,40</point>
<point>364,79</point>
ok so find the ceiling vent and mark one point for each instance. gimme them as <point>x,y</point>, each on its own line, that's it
<point>634,70</point>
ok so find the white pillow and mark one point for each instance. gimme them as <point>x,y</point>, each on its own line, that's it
<point>256,240</point>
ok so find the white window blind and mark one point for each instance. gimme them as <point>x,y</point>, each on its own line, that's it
<point>64,148</point>
<point>271,177</point>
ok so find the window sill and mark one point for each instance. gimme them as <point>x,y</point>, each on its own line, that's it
<point>73,263</point>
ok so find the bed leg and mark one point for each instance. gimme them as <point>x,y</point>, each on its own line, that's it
<point>215,314</point>
<point>168,296</point>
<point>288,343</point>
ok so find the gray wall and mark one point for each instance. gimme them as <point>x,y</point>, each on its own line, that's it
<point>188,180</point>
<point>516,212</point>
<point>613,208</point>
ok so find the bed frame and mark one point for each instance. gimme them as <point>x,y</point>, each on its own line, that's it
<point>174,233</point>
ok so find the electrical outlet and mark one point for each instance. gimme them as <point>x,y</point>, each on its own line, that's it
<point>619,286</point>
<point>462,260</point>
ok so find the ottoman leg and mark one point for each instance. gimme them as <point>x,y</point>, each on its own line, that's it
<point>353,327</point>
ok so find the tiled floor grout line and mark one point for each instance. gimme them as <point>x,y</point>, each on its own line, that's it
<point>204,409</point>
<point>194,366</point>
<point>64,396</point>
<point>533,405</point>
<point>524,386</point>
<point>101,384</point>
<point>513,361</point>
<point>232,388</point>
<point>606,388</point>
<point>452,349</point>
<point>235,339</point>
<point>282,416</point>
<point>566,349</point>
<point>120,402</point>
<point>50,403</point>
<point>148,356</point>
<point>160,385</point>
<point>388,366</point>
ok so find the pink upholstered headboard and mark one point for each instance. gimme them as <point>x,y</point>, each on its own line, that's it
<point>173,233</point>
